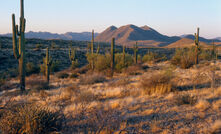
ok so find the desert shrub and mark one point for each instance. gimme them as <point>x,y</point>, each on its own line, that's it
<point>119,61</point>
<point>184,57</point>
<point>62,75</point>
<point>102,62</point>
<point>55,66</point>
<point>37,84</point>
<point>31,68</point>
<point>133,70</point>
<point>157,83</point>
<point>30,119</point>
<point>92,79</point>
<point>81,70</point>
<point>74,75</point>
<point>104,120</point>
<point>153,57</point>
<point>206,55</point>
<point>74,64</point>
<point>185,99</point>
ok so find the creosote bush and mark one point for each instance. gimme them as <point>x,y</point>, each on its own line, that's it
<point>102,62</point>
<point>185,57</point>
<point>30,119</point>
<point>153,57</point>
<point>158,83</point>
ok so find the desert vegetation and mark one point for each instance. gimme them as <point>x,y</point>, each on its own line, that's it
<point>107,88</point>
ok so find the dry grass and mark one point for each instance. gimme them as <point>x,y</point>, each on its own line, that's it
<point>37,84</point>
<point>133,70</point>
<point>202,105</point>
<point>216,127</point>
<point>88,79</point>
<point>30,118</point>
<point>158,83</point>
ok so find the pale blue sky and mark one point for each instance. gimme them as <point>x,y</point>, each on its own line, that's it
<point>170,17</point>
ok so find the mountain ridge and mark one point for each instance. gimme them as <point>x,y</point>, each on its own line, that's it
<point>83,36</point>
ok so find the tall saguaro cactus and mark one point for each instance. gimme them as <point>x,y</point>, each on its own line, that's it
<point>48,62</point>
<point>112,56</point>
<point>135,53</point>
<point>19,47</point>
<point>92,43</point>
<point>197,46</point>
<point>92,50</point>
<point>124,55</point>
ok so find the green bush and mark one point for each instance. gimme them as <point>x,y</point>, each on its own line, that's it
<point>74,64</point>
<point>30,119</point>
<point>153,57</point>
<point>102,62</point>
<point>31,68</point>
<point>119,65</point>
<point>184,57</point>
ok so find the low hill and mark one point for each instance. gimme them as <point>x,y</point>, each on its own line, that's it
<point>185,42</point>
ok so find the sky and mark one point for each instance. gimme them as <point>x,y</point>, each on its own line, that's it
<point>169,17</point>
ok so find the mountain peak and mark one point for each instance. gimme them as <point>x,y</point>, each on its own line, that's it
<point>112,28</point>
<point>145,27</point>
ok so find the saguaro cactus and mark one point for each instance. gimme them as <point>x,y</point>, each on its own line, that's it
<point>73,58</point>
<point>19,47</point>
<point>92,50</point>
<point>48,62</point>
<point>197,46</point>
<point>135,53</point>
<point>124,55</point>
<point>72,54</point>
<point>98,49</point>
<point>92,43</point>
<point>112,56</point>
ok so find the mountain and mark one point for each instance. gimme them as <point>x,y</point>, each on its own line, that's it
<point>84,36</point>
<point>129,34</point>
<point>218,38</point>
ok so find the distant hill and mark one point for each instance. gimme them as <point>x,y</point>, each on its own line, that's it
<point>192,37</point>
<point>129,34</point>
<point>218,38</point>
<point>185,42</point>
<point>84,36</point>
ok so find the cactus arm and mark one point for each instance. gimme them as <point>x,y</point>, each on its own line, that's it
<point>14,38</point>
<point>98,49</point>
